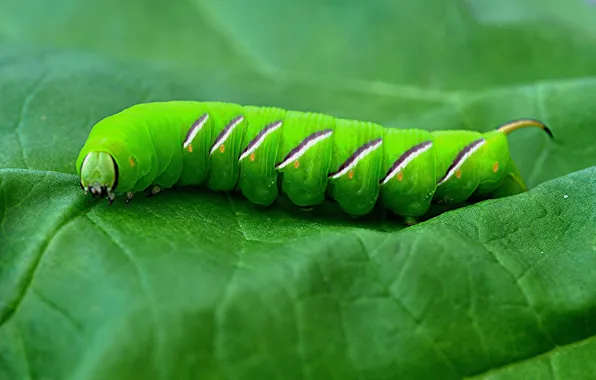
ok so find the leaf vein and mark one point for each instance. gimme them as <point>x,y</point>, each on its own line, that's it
<point>539,321</point>
<point>401,305</point>
<point>68,217</point>
<point>142,278</point>
<point>63,313</point>
<point>220,309</point>
<point>472,316</point>
<point>548,354</point>
<point>25,356</point>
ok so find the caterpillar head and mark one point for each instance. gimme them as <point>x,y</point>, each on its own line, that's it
<point>99,174</point>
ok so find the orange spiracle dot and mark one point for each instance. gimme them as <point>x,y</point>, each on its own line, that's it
<point>350,174</point>
<point>190,148</point>
<point>132,161</point>
<point>400,176</point>
<point>458,173</point>
<point>496,167</point>
<point>296,164</point>
<point>222,148</point>
<point>251,157</point>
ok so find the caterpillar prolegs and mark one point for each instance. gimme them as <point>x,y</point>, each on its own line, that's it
<point>307,157</point>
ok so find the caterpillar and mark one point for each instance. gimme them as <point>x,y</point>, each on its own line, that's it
<point>265,152</point>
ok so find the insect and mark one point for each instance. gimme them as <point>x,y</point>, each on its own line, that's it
<point>265,152</point>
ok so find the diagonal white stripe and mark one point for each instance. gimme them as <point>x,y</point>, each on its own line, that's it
<point>304,149</point>
<point>461,162</point>
<point>360,157</point>
<point>406,162</point>
<point>228,133</point>
<point>195,130</point>
<point>260,141</point>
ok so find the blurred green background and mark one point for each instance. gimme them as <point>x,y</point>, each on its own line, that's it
<point>432,64</point>
<point>191,284</point>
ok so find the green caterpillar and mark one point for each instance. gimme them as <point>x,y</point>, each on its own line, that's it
<point>307,157</point>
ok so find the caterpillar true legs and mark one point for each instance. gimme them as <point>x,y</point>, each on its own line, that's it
<point>307,157</point>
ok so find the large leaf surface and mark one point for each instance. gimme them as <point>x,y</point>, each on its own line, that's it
<point>198,284</point>
<point>191,283</point>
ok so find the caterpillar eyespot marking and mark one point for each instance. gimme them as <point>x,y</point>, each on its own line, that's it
<point>225,133</point>
<point>194,129</point>
<point>304,146</point>
<point>356,157</point>
<point>401,170</point>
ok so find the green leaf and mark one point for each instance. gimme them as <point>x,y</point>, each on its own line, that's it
<point>201,283</point>
<point>194,284</point>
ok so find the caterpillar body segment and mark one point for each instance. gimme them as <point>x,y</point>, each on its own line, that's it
<point>228,128</point>
<point>409,170</point>
<point>304,156</point>
<point>458,169</point>
<point>258,176</point>
<point>494,163</point>
<point>195,146</point>
<point>357,150</point>
<point>266,152</point>
<point>511,183</point>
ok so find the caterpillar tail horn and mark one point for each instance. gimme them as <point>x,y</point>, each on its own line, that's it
<point>523,123</point>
